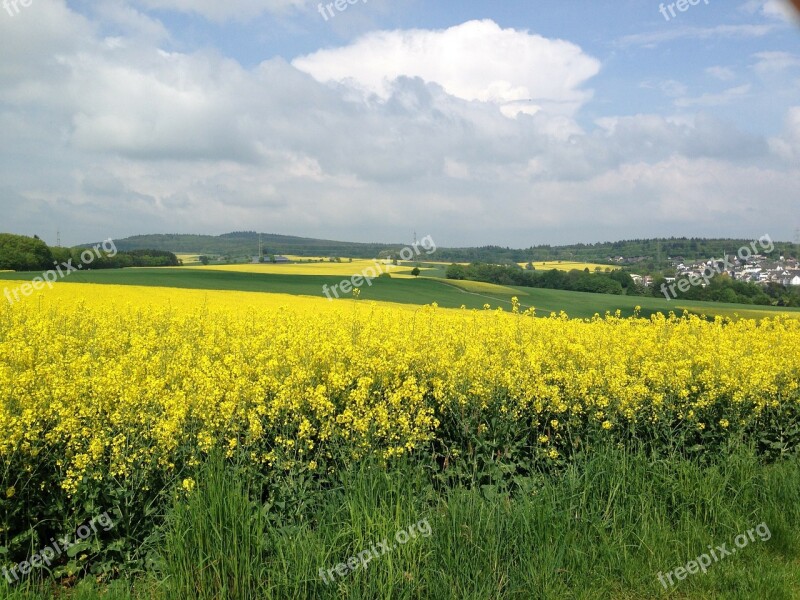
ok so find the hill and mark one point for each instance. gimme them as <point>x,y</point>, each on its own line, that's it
<point>647,254</point>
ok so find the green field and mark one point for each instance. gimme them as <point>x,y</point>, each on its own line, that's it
<point>418,291</point>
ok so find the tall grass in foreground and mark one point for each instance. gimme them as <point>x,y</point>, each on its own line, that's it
<point>215,541</point>
<point>604,528</point>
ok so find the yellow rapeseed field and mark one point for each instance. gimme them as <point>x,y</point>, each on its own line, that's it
<point>481,287</point>
<point>345,268</point>
<point>101,384</point>
<point>565,265</point>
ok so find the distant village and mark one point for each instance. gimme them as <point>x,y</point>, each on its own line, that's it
<point>757,268</point>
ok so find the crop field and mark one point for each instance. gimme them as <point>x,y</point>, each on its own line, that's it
<point>345,268</point>
<point>176,374</point>
<point>122,396</point>
<point>401,288</point>
<point>126,396</point>
<point>297,258</point>
<point>565,265</point>
<point>399,300</point>
<point>189,259</point>
<point>480,287</point>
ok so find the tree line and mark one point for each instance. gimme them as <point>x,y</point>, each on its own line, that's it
<point>23,253</point>
<point>650,254</point>
<point>721,288</point>
<point>616,282</point>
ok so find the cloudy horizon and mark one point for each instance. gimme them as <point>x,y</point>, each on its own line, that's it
<point>512,125</point>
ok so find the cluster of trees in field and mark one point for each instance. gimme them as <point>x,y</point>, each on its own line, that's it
<point>616,282</point>
<point>135,258</point>
<point>723,288</point>
<point>23,253</point>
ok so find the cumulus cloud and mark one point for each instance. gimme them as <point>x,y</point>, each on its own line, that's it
<point>476,61</point>
<point>116,135</point>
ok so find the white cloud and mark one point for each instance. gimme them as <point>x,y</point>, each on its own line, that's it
<point>772,9</point>
<point>475,61</point>
<point>721,73</point>
<point>661,36</point>
<point>111,135</point>
<point>775,62</point>
<point>227,10</point>
<point>669,87</point>
<point>710,99</point>
<point>787,146</point>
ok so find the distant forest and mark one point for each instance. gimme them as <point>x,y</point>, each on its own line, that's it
<point>23,253</point>
<point>648,254</point>
<point>645,255</point>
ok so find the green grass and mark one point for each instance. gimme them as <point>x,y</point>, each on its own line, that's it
<point>420,291</point>
<point>604,528</point>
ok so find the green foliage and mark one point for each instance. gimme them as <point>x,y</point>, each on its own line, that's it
<point>22,253</point>
<point>575,280</point>
<point>133,258</point>
<point>722,288</point>
<point>215,542</point>
<point>647,254</point>
<point>603,527</point>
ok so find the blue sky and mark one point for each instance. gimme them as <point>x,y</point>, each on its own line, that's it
<point>511,123</point>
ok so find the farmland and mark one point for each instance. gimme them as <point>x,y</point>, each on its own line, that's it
<point>403,288</point>
<point>399,300</point>
<point>566,265</point>
<point>187,395</point>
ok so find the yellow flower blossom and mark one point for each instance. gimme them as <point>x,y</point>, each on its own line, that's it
<point>150,381</point>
